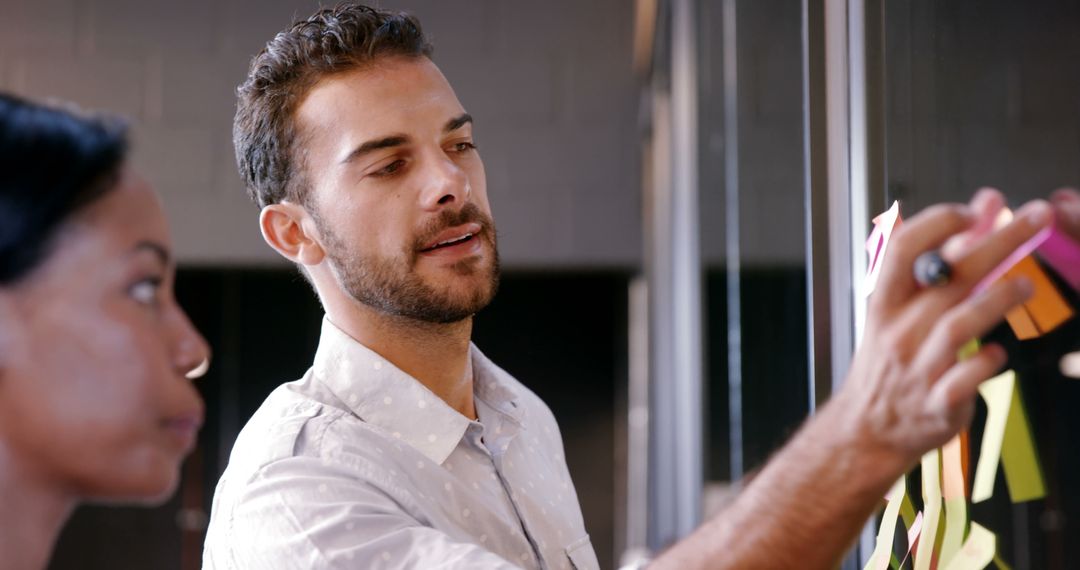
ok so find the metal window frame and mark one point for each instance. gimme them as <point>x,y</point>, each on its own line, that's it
<point>842,159</point>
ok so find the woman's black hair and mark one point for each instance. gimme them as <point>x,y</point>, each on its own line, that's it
<point>53,162</point>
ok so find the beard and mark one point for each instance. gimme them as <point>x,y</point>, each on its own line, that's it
<point>391,285</point>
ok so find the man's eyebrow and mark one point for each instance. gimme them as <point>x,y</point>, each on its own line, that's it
<point>373,145</point>
<point>457,122</point>
<point>156,248</point>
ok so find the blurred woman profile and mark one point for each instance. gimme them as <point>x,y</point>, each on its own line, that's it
<point>95,403</point>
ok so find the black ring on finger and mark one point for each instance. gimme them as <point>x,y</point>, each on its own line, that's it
<point>931,270</point>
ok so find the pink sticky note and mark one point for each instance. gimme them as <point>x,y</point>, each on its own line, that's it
<point>884,225</point>
<point>1062,254</point>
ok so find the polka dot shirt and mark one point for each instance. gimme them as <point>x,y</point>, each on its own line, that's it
<point>358,465</point>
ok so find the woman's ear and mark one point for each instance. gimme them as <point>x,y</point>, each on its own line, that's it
<point>8,324</point>
<point>289,229</point>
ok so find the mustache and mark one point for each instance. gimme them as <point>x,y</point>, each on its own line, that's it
<point>469,213</point>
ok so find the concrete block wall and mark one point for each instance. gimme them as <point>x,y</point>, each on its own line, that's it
<point>550,84</point>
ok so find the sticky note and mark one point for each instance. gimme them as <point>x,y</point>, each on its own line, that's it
<point>978,550</point>
<point>1062,254</point>
<point>1007,437</point>
<point>1021,323</point>
<point>931,484</point>
<point>956,520</point>
<point>879,560</point>
<point>954,491</point>
<point>954,467</point>
<point>1047,308</point>
<point>884,226</point>
<point>907,511</point>
<point>913,535</point>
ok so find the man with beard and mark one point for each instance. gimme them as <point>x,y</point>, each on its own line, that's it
<point>404,447</point>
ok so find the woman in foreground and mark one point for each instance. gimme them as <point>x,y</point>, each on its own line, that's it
<point>95,404</point>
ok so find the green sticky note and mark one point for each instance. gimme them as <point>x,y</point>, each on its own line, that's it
<point>978,550</point>
<point>968,350</point>
<point>907,511</point>
<point>931,484</point>
<point>1022,473</point>
<point>1007,437</point>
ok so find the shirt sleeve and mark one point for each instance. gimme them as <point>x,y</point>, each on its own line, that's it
<point>301,512</point>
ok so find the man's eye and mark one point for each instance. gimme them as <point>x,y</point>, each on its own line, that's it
<point>390,168</point>
<point>146,291</point>
<point>464,146</point>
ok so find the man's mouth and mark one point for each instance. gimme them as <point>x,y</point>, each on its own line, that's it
<point>453,237</point>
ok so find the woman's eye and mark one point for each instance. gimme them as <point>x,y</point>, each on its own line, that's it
<point>146,291</point>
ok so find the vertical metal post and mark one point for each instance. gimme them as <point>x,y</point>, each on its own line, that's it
<point>836,189</point>
<point>733,245</point>
<point>674,269</point>
<point>637,428</point>
<point>686,269</point>
<point>838,133</point>
<point>815,154</point>
<point>662,505</point>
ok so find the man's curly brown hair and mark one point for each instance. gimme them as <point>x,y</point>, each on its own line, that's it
<point>331,41</point>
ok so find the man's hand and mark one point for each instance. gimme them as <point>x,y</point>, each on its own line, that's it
<point>906,391</point>
<point>906,394</point>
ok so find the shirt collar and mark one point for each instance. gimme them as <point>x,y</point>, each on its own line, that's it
<point>383,395</point>
<point>497,388</point>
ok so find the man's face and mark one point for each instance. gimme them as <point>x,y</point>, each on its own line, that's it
<point>398,192</point>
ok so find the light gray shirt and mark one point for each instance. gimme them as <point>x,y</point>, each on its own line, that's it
<point>358,465</point>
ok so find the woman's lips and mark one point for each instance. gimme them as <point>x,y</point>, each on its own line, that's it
<point>184,429</point>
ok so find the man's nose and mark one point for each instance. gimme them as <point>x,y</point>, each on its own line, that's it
<point>446,185</point>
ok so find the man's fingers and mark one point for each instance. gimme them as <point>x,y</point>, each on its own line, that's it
<point>988,254</point>
<point>972,318</point>
<point>953,396</point>
<point>926,231</point>
<point>986,206</point>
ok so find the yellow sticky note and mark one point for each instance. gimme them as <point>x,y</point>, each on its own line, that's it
<point>977,552</point>
<point>879,560</point>
<point>956,520</point>
<point>931,484</point>
<point>1007,437</point>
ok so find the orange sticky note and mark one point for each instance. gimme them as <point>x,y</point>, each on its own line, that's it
<point>1046,309</point>
<point>954,467</point>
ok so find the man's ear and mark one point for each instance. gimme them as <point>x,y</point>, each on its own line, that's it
<point>289,229</point>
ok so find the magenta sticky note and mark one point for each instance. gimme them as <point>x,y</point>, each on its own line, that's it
<point>1062,254</point>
